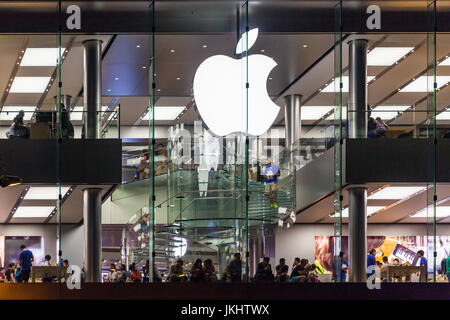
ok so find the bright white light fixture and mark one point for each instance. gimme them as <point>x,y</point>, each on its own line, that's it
<point>370,210</point>
<point>77,113</point>
<point>314,112</point>
<point>344,114</point>
<point>180,247</point>
<point>387,112</point>
<point>41,57</point>
<point>33,211</point>
<point>165,113</point>
<point>8,112</point>
<point>335,84</point>
<point>396,192</point>
<point>444,115</point>
<point>45,193</point>
<point>386,56</point>
<point>446,62</point>
<point>422,83</point>
<point>29,84</point>
<point>441,212</point>
<point>242,44</point>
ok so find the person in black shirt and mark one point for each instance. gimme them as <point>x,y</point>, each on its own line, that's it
<point>294,266</point>
<point>235,269</point>
<point>282,271</point>
<point>264,271</point>
<point>299,273</point>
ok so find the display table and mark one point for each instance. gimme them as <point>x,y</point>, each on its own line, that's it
<point>388,272</point>
<point>47,272</point>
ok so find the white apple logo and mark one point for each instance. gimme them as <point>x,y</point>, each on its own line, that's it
<point>220,92</point>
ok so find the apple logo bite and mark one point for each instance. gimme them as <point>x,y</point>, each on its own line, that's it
<point>220,92</point>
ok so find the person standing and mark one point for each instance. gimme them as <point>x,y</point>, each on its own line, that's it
<point>271,174</point>
<point>344,266</point>
<point>422,261</point>
<point>26,260</point>
<point>447,267</point>
<point>235,269</point>
<point>371,261</point>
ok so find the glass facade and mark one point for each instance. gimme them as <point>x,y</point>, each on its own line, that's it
<point>185,130</point>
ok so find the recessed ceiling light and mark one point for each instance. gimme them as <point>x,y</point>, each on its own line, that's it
<point>331,86</point>
<point>386,56</point>
<point>178,78</point>
<point>270,78</point>
<point>396,192</point>
<point>370,210</point>
<point>9,112</point>
<point>441,212</point>
<point>29,84</point>
<point>40,57</point>
<point>138,46</point>
<point>205,46</point>
<point>422,84</point>
<point>33,212</point>
<point>262,50</point>
<point>387,112</point>
<point>305,46</point>
<point>172,50</point>
<point>165,113</point>
<point>444,115</point>
<point>116,78</point>
<point>144,67</point>
<point>109,90</point>
<point>45,193</point>
<point>314,112</point>
<point>446,62</point>
<point>158,90</point>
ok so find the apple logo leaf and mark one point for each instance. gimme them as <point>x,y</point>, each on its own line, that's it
<point>252,36</point>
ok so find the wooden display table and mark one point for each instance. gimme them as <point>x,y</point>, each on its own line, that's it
<point>388,272</point>
<point>48,272</point>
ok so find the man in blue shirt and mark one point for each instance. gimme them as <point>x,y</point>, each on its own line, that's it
<point>422,261</point>
<point>25,259</point>
<point>371,261</point>
<point>271,174</point>
<point>344,266</point>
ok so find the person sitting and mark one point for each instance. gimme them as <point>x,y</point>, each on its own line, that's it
<point>197,272</point>
<point>67,131</point>
<point>18,129</point>
<point>122,275</point>
<point>9,273</point>
<point>209,271</point>
<point>113,276</point>
<point>282,271</point>
<point>380,128</point>
<point>135,275</point>
<point>177,271</point>
<point>46,261</point>
<point>299,274</point>
<point>264,271</point>
<point>144,168</point>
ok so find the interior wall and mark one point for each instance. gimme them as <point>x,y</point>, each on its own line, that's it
<point>71,239</point>
<point>298,241</point>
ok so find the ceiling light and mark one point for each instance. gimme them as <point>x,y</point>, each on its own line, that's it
<point>138,46</point>
<point>40,57</point>
<point>172,50</point>
<point>165,113</point>
<point>178,78</point>
<point>8,113</point>
<point>396,192</point>
<point>441,212</point>
<point>314,112</point>
<point>29,84</point>
<point>116,78</point>
<point>305,46</point>
<point>422,83</point>
<point>444,115</point>
<point>335,84</point>
<point>262,50</point>
<point>386,56</point>
<point>205,46</point>
<point>33,211</point>
<point>45,193</point>
<point>370,210</point>
<point>446,62</point>
<point>387,112</point>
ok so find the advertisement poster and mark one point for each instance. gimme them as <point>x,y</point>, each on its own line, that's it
<point>402,247</point>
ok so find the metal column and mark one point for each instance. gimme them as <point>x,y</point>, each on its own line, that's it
<point>92,86</point>
<point>92,208</point>
<point>357,115</point>
<point>92,215</point>
<point>293,127</point>
<point>357,225</point>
